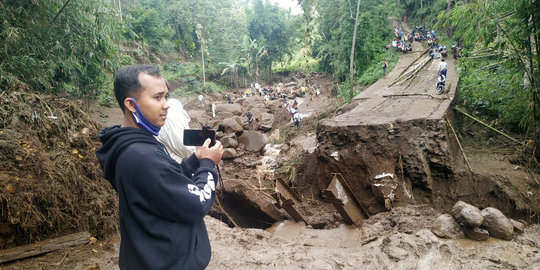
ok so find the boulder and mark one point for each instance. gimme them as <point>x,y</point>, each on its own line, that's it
<point>214,124</point>
<point>258,112</point>
<point>253,102</point>
<point>518,226</point>
<point>445,226</point>
<point>497,224</point>
<point>467,214</point>
<point>476,234</point>
<point>291,84</point>
<point>229,153</point>
<point>252,140</point>
<point>234,108</point>
<point>229,142</point>
<point>231,125</point>
<point>266,121</point>
<point>224,115</point>
<point>275,105</point>
<point>239,119</point>
<point>198,118</point>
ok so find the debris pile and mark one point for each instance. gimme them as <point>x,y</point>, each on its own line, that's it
<point>50,180</point>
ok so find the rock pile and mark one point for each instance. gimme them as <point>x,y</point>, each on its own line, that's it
<point>237,132</point>
<point>467,220</point>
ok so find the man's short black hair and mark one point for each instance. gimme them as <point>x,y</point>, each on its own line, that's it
<point>126,81</point>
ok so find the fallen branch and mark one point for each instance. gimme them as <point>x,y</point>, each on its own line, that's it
<point>413,62</point>
<point>459,144</point>
<point>225,212</point>
<point>42,247</point>
<point>412,72</point>
<point>408,95</point>
<point>488,126</point>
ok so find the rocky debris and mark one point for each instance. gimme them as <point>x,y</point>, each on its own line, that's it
<point>229,141</point>
<point>445,226</point>
<point>467,214</point>
<point>476,233</point>
<point>493,223</point>
<point>233,108</point>
<point>518,226</point>
<point>266,121</point>
<point>252,141</point>
<point>497,224</point>
<point>231,125</point>
<point>229,153</point>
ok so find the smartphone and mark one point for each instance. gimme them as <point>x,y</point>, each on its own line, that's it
<point>196,137</point>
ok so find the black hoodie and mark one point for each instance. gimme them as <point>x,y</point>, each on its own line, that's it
<point>162,203</point>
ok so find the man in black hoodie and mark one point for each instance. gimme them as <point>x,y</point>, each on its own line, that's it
<point>162,202</point>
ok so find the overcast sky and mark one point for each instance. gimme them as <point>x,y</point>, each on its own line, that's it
<point>286,4</point>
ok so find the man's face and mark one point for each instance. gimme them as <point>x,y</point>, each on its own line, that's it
<point>152,99</point>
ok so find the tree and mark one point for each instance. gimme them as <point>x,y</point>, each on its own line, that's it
<point>351,82</point>
<point>202,41</point>
<point>270,23</point>
<point>232,67</point>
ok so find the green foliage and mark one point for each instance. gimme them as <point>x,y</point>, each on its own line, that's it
<point>192,86</point>
<point>509,31</point>
<point>271,24</point>
<point>335,35</point>
<point>175,70</point>
<point>374,72</point>
<point>495,92</point>
<point>74,54</point>
<point>148,25</point>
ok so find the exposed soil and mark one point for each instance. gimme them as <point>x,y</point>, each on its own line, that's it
<point>381,131</point>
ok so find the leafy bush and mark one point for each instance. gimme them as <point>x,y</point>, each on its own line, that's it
<point>176,70</point>
<point>73,51</point>
<point>192,86</point>
<point>494,91</point>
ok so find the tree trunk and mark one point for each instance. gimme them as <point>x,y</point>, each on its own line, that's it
<point>202,56</point>
<point>236,77</point>
<point>351,66</point>
<point>256,71</point>
<point>120,8</point>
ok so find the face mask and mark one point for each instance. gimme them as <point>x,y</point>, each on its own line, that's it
<point>141,122</point>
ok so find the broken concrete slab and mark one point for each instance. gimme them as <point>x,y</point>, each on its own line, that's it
<point>340,194</point>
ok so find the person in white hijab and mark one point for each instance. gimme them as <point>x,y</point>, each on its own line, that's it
<point>172,133</point>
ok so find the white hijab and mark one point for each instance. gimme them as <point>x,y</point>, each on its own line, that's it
<point>172,133</point>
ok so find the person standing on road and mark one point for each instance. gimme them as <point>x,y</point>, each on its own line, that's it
<point>384,66</point>
<point>442,67</point>
<point>162,203</point>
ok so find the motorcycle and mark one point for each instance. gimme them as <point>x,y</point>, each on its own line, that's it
<point>455,49</point>
<point>439,87</point>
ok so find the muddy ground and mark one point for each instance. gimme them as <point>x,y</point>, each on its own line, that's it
<point>395,238</point>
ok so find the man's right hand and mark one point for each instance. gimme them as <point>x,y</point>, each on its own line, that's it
<point>214,153</point>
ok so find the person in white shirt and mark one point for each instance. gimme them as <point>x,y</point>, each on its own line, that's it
<point>442,67</point>
<point>201,98</point>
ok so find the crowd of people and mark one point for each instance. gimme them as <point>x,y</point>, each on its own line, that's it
<point>402,41</point>
<point>273,93</point>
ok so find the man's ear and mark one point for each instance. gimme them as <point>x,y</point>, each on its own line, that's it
<point>129,105</point>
